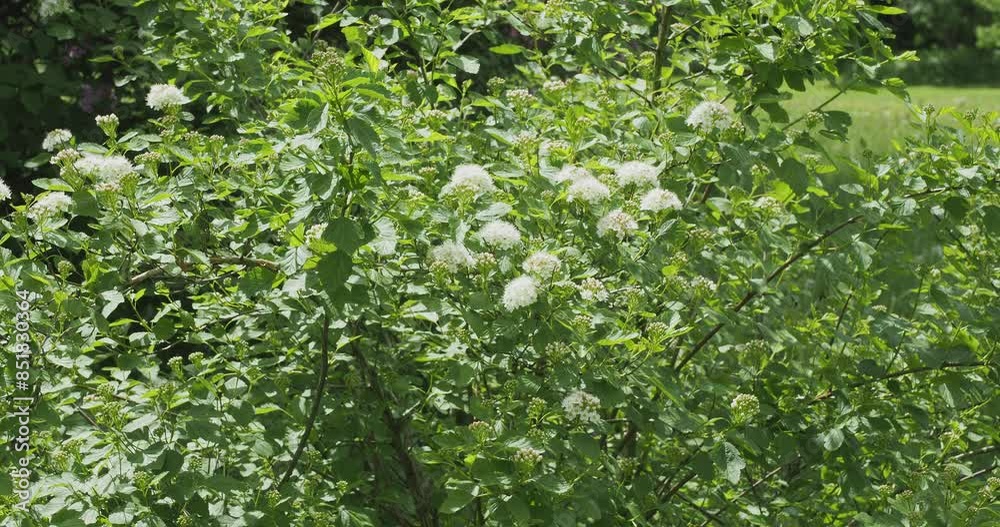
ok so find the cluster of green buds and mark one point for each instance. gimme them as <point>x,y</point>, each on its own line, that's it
<point>699,237</point>
<point>481,430</point>
<point>195,462</point>
<point>60,459</point>
<point>582,323</point>
<point>106,392</point>
<point>647,60</point>
<point>328,60</point>
<point>176,365</point>
<point>657,331</point>
<point>990,489</point>
<point>108,124</point>
<point>755,347</point>
<point>536,408</point>
<point>520,97</point>
<point>814,119</point>
<point>702,287</point>
<point>759,172</point>
<point>557,351</point>
<point>526,458</point>
<point>496,85</point>
<point>142,480</point>
<point>526,142</point>
<point>554,87</point>
<point>273,498</point>
<point>485,261</point>
<point>744,408</point>
<point>111,415</point>
<point>65,268</point>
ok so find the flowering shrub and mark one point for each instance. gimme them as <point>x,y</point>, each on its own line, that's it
<point>622,288</point>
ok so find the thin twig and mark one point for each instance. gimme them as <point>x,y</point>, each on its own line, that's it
<point>750,295</point>
<point>317,401</point>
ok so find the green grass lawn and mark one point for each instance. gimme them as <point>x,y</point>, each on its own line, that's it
<point>880,118</point>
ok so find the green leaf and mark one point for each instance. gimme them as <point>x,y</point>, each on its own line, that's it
<point>833,439</point>
<point>507,49</point>
<point>112,300</point>
<point>767,51</point>
<point>884,9</point>
<point>732,462</point>
<point>459,496</point>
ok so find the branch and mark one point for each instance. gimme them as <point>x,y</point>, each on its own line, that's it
<point>317,400</point>
<point>753,485</point>
<point>702,510</point>
<point>661,46</point>
<point>420,488</point>
<point>770,278</point>
<point>901,373</point>
<point>215,260</point>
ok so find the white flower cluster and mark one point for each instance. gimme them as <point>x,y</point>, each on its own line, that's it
<point>744,407</point>
<point>107,171</point>
<point>5,192</point>
<point>453,256</point>
<point>637,173</point>
<point>583,407</point>
<point>554,86</point>
<point>56,139</point>
<point>51,8</point>
<point>520,96</point>
<point>710,115</point>
<point>473,179</point>
<point>588,189</point>
<point>520,292</point>
<point>541,264</point>
<point>592,289</point>
<point>658,199</point>
<point>50,204</point>
<point>164,96</point>
<point>570,173</point>
<point>500,234</point>
<point>617,223</point>
<point>314,232</point>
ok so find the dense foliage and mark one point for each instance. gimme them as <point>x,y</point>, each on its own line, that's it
<point>344,279</point>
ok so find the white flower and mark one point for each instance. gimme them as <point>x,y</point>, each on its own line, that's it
<point>541,264</point>
<point>5,192</point>
<point>593,289</point>
<point>50,203</point>
<point>520,96</point>
<point>768,205</point>
<point>583,407</point>
<point>588,189</point>
<point>710,115</point>
<point>500,234</point>
<point>637,173</point>
<point>520,292</point>
<point>618,223</point>
<point>571,173</point>
<point>452,255</point>
<point>163,96</point>
<point>51,8</point>
<point>658,199</point>
<point>554,86</point>
<point>470,178</point>
<point>55,139</point>
<point>106,168</point>
<point>314,232</point>
<point>66,155</point>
